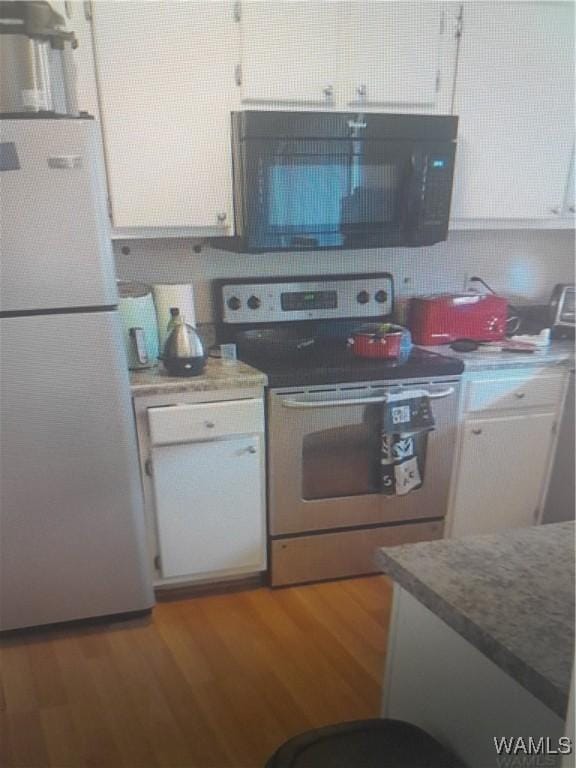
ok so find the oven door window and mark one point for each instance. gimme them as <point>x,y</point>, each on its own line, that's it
<point>321,193</point>
<point>343,460</point>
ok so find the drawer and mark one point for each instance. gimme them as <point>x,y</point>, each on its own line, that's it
<point>345,553</point>
<point>514,393</point>
<point>205,421</point>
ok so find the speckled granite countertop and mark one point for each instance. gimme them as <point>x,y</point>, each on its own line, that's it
<point>557,353</point>
<point>217,376</point>
<point>511,595</point>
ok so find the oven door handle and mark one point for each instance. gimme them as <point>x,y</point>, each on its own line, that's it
<point>421,393</point>
<point>331,403</point>
<point>367,400</point>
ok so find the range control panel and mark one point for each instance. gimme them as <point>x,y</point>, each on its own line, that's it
<point>307,299</point>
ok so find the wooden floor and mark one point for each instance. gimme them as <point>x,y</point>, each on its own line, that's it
<point>218,680</point>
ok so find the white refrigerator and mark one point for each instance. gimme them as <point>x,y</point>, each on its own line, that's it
<point>72,537</point>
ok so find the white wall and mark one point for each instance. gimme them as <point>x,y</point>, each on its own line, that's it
<point>524,265</point>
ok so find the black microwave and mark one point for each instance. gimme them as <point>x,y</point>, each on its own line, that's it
<point>310,180</point>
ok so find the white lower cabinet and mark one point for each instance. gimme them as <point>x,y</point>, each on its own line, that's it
<point>506,443</point>
<point>204,487</point>
<point>208,508</point>
<point>503,466</point>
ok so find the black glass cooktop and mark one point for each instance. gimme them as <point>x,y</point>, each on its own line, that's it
<point>332,362</point>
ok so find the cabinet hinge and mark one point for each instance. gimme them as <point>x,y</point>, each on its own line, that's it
<point>87,10</point>
<point>157,562</point>
<point>148,467</point>
<point>438,81</point>
<point>237,11</point>
<point>554,427</point>
<point>238,74</point>
<point>459,21</point>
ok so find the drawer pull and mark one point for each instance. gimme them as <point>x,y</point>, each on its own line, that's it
<point>520,395</point>
<point>476,431</point>
<point>209,424</point>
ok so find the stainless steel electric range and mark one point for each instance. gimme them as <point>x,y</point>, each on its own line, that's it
<point>327,513</point>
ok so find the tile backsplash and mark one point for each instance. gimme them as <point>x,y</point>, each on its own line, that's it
<point>523,264</point>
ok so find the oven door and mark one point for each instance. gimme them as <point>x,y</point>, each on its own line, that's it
<point>313,193</point>
<point>324,458</point>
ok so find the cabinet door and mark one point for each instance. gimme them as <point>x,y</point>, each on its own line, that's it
<point>515,99</point>
<point>502,469</point>
<point>289,52</point>
<point>166,81</point>
<point>391,54</point>
<point>78,21</point>
<point>209,506</point>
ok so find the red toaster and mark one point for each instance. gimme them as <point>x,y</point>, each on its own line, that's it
<point>443,319</point>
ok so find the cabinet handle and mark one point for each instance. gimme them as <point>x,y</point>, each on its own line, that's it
<point>209,424</point>
<point>572,209</point>
<point>221,217</point>
<point>555,211</point>
<point>328,91</point>
<point>252,449</point>
<point>477,431</point>
<point>361,91</point>
<point>520,395</point>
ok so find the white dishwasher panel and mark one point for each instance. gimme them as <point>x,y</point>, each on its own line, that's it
<point>210,506</point>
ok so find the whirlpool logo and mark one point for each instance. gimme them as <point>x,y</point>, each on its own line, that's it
<point>520,752</point>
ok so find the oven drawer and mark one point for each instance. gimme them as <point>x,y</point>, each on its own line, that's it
<point>514,393</point>
<point>336,555</point>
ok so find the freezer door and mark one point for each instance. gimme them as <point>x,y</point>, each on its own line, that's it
<point>56,248</point>
<point>71,513</point>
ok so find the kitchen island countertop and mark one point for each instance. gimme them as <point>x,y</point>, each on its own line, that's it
<point>560,352</point>
<point>216,376</point>
<point>511,595</point>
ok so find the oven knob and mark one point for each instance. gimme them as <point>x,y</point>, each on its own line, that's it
<point>253,302</point>
<point>380,296</point>
<point>234,303</point>
<point>363,297</point>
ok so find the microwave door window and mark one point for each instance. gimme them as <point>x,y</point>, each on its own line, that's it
<point>305,199</point>
<point>325,194</point>
<point>374,196</point>
<point>324,202</point>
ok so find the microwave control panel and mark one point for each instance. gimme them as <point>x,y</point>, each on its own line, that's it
<point>436,190</point>
<point>271,302</point>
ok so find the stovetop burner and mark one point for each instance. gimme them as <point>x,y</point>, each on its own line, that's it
<point>332,362</point>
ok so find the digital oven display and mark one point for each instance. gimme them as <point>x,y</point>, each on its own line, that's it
<point>302,300</point>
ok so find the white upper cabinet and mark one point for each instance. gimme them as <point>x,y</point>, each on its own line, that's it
<point>166,77</point>
<point>289,51</point>
<point>392,54</point>
<point>515,98</point>
<point>78,21</point>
